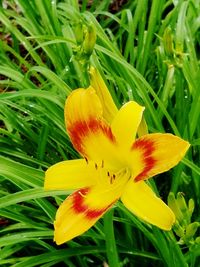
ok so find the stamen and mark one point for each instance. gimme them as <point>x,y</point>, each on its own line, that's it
<point>125,172</point>
<point>86,160</point>
<point>80,193</point>
<point>96,167</point>
<point>102,164</point>
<point>111,179</point>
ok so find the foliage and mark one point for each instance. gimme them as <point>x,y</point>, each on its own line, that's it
<point>147,51</point>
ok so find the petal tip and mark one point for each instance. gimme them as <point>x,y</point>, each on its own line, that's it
<point>60,236</point>
<point>170,222</point>
<point>58,240</point>
<point>185,145</point>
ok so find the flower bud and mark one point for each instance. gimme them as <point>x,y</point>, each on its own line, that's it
<point>191,206</point>
<point>183,207</point>
<point>168,42</point>
<point>191,230</point>
<point>97,82</point>
<point>172,203</point>
<point>78,32</point>
<point>197,240</point>
<point>179,230</point>
<point>89,39</point>
<point>142,129</point>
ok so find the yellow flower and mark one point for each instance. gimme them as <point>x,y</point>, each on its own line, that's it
<point>114,164</point>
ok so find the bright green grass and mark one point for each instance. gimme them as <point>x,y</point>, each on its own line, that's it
<point>148,51</point>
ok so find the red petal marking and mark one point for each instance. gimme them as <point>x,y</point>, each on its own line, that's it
<point>80,207</point>
<point>80,129</point>
<point>78,203</point>
<point>147,147</point>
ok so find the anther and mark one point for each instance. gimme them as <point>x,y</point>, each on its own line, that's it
<point>96,167</point>
<point>114,176</point>
<point>86,160</point>
<point>108,173</point>
<point>102,164</point>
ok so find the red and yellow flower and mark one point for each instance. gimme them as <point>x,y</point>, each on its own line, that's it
<point>115,164</point>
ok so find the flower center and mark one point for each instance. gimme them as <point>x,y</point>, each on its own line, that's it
<point>114,175</point>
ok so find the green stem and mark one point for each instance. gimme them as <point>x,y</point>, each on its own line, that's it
<point>111,248</point>
<point>84,76</point>
<point>177,256</point>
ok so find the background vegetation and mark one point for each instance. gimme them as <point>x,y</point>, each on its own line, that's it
<point>145,50</point>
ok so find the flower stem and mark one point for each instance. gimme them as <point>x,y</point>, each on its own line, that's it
<point>111,248</point>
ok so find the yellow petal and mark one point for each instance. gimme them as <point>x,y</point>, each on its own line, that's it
<point>70,174</point>
<point>142,128</point>
<point>158,153</point>
<point>126,122</point>
<point>89,133</point>
<point>74,217</point>
<point>142,201</point>
<point>81,105</point>
<point>71,220</point>
<point>84,207</point>
<point>109,107</point>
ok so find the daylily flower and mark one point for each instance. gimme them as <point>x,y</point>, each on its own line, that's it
<point>114,166</point>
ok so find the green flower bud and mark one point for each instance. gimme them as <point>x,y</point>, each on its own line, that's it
<point>197,240</point>
<point>181,202</point>
<point>78,32</point>
<point>183,207</point>
<point>168,42</point>
<point>89,40</point>
<point>179,230</point>
<point>191,206</point>
<point>172,203</point>
<point>191,230</point>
